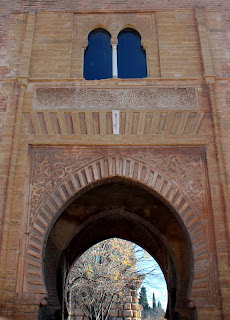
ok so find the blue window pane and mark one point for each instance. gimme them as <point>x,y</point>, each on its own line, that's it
<point>131,55</point>
<point>98,56</point>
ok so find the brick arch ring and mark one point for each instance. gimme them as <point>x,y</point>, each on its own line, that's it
<point>95,171</point>
<point>114,28</point>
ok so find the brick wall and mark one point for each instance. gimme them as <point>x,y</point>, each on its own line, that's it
<point>217,24</point>
<point>113,5</point>
<point>52,46</point>
<point>179,48</point>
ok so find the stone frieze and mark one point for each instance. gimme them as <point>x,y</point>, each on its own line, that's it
<point>110,98</point>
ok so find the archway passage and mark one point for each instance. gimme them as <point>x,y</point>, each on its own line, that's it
<point>118,207</point>
<point>93,290</point>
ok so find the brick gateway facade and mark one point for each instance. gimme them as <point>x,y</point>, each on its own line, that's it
<point>67,181</point>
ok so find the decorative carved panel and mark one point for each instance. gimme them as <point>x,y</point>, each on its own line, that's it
<point>52,167</point>
<point>177,175</point>
<point>55,98</point>
<point>89,98</point>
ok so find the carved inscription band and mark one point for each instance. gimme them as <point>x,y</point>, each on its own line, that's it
<point>122,98</point>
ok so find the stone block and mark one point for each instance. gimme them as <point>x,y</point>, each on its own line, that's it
<point>113,313</point>
<point>120,313</point>
<point>135,306</point>
<point>135,300</point>
<point>127,306</point>
<point>116,306</point>
<point>127,313</point>
<point>133,293</point>
<point>78,312</point>
<point>128,298</point>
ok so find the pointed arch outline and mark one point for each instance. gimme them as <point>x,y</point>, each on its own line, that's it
<point>95,172</point>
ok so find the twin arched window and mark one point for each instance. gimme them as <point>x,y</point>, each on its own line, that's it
<point>129,56</point>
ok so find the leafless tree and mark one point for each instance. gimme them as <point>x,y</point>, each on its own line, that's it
<point>103,275</point>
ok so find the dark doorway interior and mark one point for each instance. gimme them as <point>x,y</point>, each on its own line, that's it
<point>120,208</point>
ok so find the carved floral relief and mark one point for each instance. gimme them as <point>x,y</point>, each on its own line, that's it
<point>50,167</point>
<point>179,169</point>
<point>123,98</point>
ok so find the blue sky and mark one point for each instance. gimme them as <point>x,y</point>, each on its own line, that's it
<point>154,280</point>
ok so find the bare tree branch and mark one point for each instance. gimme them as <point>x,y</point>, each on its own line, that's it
<point>104,275</point>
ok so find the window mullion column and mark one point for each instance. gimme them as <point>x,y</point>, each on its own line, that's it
<point>114,60</point>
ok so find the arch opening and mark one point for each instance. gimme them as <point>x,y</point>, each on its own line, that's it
<point>131,55</point>
<point>118,207</point>
<point>98,55</point>
<point>105,280</point>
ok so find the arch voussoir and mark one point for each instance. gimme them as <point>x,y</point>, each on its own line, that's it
<point>171,193</point>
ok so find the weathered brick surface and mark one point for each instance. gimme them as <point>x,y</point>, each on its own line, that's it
<point>52,46</point>
<point>112,5</point>
<point>177,30</point>
<point>218,29</point>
